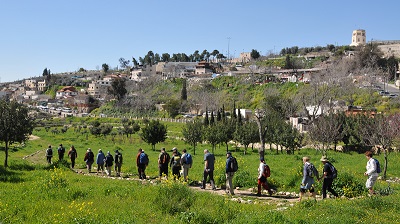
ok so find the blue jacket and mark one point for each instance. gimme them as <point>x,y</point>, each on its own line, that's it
<point>100,158</point>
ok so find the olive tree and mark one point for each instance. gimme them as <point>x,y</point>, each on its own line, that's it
<point>154,132</point>
<point>15,124</point>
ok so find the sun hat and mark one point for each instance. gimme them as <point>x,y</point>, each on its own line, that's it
<point>324,159</point>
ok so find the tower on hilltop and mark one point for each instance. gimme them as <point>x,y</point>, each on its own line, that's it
<point>358,38</point>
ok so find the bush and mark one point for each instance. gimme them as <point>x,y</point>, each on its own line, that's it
<point>174,197</point>
<point>347,185</point>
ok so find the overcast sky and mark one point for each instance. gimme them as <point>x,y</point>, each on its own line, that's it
<point>64,36</point>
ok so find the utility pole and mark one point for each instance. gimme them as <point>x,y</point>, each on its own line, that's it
<point>229,40</point>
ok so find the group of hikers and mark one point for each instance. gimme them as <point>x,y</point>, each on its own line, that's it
<point>181,162</point>
<point>72,154</point>
<point>104,162</point>
<point>330,173</point>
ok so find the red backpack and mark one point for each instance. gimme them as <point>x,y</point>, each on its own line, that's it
<point>267,171</point>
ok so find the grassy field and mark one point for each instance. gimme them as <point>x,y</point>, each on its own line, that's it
<point>34,192</point>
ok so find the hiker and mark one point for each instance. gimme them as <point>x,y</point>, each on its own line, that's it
<point>307,182</point>
<point>109,163</point>
<point>100,162</point>
<point>118,163</point>
<point>263,174</point>
<point>49,154</point>
<point>61,152</point>
<point>328,176</point>
<point>89,159</point>
<point>72,155</point>
<point>229,172</point>
<point>142,161</point>
<point>209,161</point>
<point>175,163</point>
<point>186,162</point>
<point>163,161</point>
<point>371,172</point>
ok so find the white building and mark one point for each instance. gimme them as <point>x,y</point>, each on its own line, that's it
<point>358,38</point>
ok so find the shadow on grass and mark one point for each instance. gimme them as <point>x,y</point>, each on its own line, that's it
<point>9,175</point>
<point>63,163</point>
<point>10,149</point>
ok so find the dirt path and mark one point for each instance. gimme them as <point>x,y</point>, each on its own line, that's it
<point>241,195</point>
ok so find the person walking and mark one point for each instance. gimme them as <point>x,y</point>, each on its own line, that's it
<point>118,163</point>
<point>61,152</point>
<point>209,161</point>
<point>307,183</point>
<point>328,176</point>
<point>372,172</point>
<point>49,154</point>
<point>263,173</point>
<point>142,161</point>
<point>100,162</point>
<point>163,161</point>
<point>176,163</point>
<point>186,162</point>
<point>89,159</point>
<point>72,155</point>
<point>109,163</point>
<point>229,173</point>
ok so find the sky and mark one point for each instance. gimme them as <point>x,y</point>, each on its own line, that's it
<point>64,36</point>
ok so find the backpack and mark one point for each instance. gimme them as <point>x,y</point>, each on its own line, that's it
<point>378,166</point>
<point>119,156</point>
<point>144,159</point>
<point>90,156</point>
<point>333,170</point>
<point>188,159</point>
<point>49,152</point>
<point>234,164</point>
<point>61,150</point>
<point>164,158</point>
<point>177,161</point>
<point>72,154</point>
<point>267,171</point>
<point>312,171</point>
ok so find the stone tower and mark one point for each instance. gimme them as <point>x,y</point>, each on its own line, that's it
<point>358,38</point>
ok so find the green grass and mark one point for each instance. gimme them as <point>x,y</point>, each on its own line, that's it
<point>33,192</point>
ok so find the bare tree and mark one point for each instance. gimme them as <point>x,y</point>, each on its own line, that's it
<point>327,130</point>
<point>380,131</point>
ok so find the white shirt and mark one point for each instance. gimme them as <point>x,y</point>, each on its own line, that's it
<point>261,169</point>
<point>371,168</point>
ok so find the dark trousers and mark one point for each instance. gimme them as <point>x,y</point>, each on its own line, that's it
<point>48,159</point>
<point>72,162</point>
<point>60,157</point>
<point>176,172</point>
<point>327,185</point>
<point>210,174</point>
<point>141,171</point>
<point>163,169</point>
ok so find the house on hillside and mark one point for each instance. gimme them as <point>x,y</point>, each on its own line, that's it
<point>177,69</point>
<point>66,92</point>
<point>31,84</point>
<point>42,86</point>
<point>203,67</point>
<point>84,103</point>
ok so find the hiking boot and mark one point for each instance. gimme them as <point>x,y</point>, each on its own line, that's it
<point>214,189</point>
<point>202,187</point>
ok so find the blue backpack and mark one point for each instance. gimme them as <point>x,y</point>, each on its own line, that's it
<point>378,166</point>
<point>143,159</point>
<point>188,159</point>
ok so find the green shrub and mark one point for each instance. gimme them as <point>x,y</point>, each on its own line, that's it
<point>174,197</point>
<point>347,185</point>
